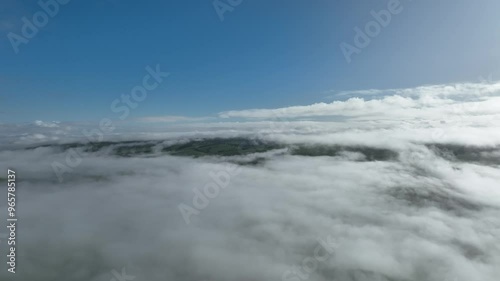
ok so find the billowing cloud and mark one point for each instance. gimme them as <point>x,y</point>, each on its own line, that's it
<point>47,124</point>
<point>419,102</point>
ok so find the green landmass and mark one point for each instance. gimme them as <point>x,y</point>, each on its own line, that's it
<point>226,147</point>
<point>220,147</point>
<point>371,154</point>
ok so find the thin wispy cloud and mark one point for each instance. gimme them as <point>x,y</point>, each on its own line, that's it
<point>417,102</point>
<point>484,87</point>
<point>170,119</point>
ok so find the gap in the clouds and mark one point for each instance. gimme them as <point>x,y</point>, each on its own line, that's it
<point>438,197</point>
<point>471,154</point>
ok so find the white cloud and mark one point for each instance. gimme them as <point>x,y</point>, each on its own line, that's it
<point>52,124</point>
<point>424,218</point>
<point>424,99</point>
<point>169,118</point>
<point>485,87</point>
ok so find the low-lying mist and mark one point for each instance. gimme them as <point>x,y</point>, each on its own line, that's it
<point>250,209</point>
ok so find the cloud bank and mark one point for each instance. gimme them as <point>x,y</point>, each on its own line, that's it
<point>338,210</point>
<point>413,102</point>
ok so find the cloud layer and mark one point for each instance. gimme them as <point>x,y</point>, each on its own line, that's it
<point>429,212</point>
<point>420,102</point>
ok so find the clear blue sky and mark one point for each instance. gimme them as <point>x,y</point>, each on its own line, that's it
<point>264,54</point>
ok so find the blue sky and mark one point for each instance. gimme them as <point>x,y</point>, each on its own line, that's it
<point>264,54</point>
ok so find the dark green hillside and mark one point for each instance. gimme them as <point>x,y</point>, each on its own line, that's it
<point>371,154</point>
<point>221,147</point>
